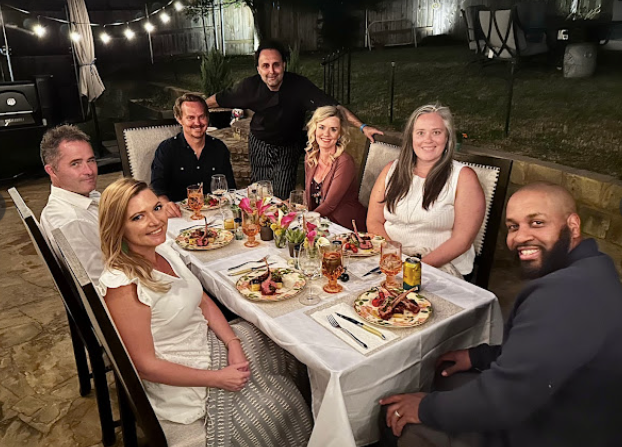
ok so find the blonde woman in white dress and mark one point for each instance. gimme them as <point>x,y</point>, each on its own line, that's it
<point>195,366</point>
<point>429,202</point>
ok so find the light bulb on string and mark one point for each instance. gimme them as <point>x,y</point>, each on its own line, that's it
<point>104,37</point>
<point>149,27</point>
<point>39,30</point>
<point>178,6</point>
<point>75,36</point>
<point>164,17</point>
<point>129,34</point>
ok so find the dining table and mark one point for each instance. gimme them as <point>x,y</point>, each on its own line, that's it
<point>346,379</point>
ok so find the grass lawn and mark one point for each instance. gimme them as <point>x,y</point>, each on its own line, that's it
<point>575,122</point>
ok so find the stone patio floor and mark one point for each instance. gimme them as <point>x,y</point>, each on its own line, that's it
<point>40,404</point>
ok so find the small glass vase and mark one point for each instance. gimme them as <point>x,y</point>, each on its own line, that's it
<point>279,238</point>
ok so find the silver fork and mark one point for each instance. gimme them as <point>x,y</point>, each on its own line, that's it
<point>247,262</point>
<point>336,325</point>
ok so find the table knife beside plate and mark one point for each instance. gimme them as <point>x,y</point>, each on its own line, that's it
<point>242,272</point>
<point>362,325</point>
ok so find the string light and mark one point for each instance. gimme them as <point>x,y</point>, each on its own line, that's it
<point>149,27</point>
<point>39,30</point>
<point>178,6</point>
<point>164,17</point>
<point>129,34</point>
<point>104,37</point>
<point>76,37</point>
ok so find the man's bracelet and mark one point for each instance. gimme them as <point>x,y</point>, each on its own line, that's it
<point>363,126</point>
<point>230,340</point>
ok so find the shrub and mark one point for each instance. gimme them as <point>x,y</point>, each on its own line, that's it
<point>215,73</point>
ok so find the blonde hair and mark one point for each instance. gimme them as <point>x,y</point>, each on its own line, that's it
<point>112,220</point>
<point>312,149</point>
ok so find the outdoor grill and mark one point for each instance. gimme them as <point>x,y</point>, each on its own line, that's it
<point>19,105</point>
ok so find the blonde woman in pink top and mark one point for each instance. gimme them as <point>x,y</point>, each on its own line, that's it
<point>331,185</point>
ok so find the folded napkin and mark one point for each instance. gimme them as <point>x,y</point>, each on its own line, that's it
<point>372,341</point>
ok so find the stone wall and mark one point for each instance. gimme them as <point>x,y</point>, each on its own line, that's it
<point>598,198</point>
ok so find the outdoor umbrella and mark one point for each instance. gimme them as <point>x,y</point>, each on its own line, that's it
<point>90,83</point>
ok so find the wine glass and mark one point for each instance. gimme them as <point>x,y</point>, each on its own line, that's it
<point>297,202</point>
<point>391,262</point>
<point>196,200</point>
<point>331,266</point>
<point>250,227</point>
<point>310,263</point>
<point>219,188</point>
<point>265,190</point>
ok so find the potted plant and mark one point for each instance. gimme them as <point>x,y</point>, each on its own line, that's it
<point>295,237</point>
<point>280,223</point>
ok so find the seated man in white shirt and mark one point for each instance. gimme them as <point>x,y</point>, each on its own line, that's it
<point>73,205</point>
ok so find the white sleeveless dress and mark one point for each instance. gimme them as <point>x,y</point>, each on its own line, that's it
<point>420,230</point>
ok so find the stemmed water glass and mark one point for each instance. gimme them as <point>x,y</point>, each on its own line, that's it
<point>391,262</point>
<point>265,190</point>
<point>196,200</point>
<point>219,188</point>
<point>331,266</point>
<point>297,202</point>
<point>250,227</point>
<point>309,262</point>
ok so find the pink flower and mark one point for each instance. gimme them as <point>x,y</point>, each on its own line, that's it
<point>311,235</point>
<point>310,226</point>
<point>245,205</point>
<point>263,206</point>
<point>286,220</point>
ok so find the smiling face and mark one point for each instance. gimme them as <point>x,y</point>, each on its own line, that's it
<point>540,231</point>
<point>429,137</point>
<point>75,169</point>
<point>194,120</point>
<point>327,134</point>
<point>271,68</point>
<point>145,222</point>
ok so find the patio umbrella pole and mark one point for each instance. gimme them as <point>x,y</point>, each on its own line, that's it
<point>6,47</point>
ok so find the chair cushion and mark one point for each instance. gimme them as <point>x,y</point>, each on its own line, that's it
<point>488,177</point>
<point>185,435</point>
<point>378,156</point>
<point>496,38</point>
<point>141,144</point>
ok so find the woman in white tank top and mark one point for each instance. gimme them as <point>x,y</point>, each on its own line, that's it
<point>427,201</point>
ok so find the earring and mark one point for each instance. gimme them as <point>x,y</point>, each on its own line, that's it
<point>124,247</point>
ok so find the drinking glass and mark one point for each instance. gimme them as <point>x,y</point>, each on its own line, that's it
<point>310,263</point>
<point>196,200</point>
<point>331,266</point>
<point>252,194</point>
<point>250,227</point>
<point>265,190</point>
<point>219,188</point>
<point>391,262</point>
<point>297,202</point>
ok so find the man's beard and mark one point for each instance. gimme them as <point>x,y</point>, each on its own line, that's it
<point>554,259</point>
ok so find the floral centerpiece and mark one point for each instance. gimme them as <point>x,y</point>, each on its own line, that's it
<point>295,237</point>
<point>251,217</point>
<point>280,223</point>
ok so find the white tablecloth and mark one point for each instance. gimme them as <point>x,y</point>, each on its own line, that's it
<point>345,384</point>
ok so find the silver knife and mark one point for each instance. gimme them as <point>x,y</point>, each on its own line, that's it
<point>242,272</point>
<point>374,270</point>
<point>362,325</point>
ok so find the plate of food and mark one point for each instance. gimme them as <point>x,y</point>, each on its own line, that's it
<point>393,308</point>
<point>202,238</point>
<point>360,244</point>
<point>271,285</point>
<point>210,202</point>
